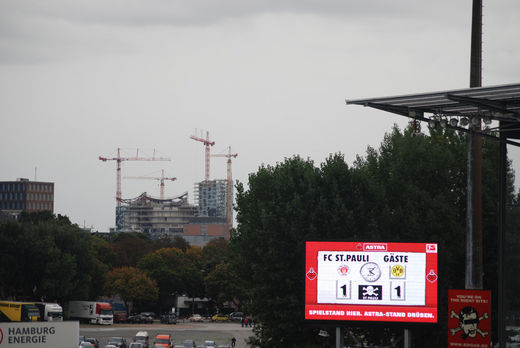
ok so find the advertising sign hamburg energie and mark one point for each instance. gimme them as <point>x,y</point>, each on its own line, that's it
<point>360,281</point>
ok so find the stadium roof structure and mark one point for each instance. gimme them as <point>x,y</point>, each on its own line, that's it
<point>457,108</point>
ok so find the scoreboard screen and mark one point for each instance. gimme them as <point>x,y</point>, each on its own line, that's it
<point>361,281</point>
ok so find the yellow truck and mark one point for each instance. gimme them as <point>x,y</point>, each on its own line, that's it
<point>18,311</point>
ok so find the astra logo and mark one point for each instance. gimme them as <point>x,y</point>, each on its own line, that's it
<point>375,247</point>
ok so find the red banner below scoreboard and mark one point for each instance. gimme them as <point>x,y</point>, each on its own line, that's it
<point>469,322</point>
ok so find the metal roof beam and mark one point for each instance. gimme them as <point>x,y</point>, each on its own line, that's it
<point>491,105</point>
<point>400,110</point>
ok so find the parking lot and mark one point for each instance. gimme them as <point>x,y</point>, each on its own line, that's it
<point>221,333</point>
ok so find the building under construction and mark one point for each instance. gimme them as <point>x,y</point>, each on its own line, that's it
<point>198,224</point>
<point>209,218</point>
<point>155,217</point>
<point>211,221</point>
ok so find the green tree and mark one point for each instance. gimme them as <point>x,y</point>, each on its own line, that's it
<point>223,284</point>
<point>48,257</point>
<point>131,284</point>
<point>213,253</point>
<point>512,262</point>
<point>130,248</point>
<point>165,267</point>
<point>274,218</point>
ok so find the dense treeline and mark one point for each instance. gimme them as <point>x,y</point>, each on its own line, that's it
<point>43,256</point>
<point>413,188</point>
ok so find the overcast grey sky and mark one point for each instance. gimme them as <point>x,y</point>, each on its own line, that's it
<point>78,79</point>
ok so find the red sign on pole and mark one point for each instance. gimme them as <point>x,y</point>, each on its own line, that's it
<point>469,322</point>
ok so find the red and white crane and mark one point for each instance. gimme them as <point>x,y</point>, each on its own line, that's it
<point>207,143</point>
<point>229,155</point>
<point>120,159</point>
<point>161,179</point>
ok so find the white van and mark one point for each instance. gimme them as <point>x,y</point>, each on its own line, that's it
<point>142,337</point>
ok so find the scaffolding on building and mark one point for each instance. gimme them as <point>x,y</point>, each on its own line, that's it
<point>154,216</point>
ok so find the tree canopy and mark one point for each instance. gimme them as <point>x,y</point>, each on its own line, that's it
<point>47,257</point>
<point>50,258</point>
<point>412,188</point>
<point>131,284</point>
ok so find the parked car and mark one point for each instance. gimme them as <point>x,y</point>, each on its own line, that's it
<point>120,317</point>
<point>86,344</point>
<point>143,338</point>
<point>136,345</point>
<point>110,346</point>
<point>139,319</point>
<point>134,319</point>
<point>209,343</point>
<point>163,340</point>
<point>219,317</point>
<point>119,342</point>
<point>81,339</point>
<point>149,315</point>
<point>196,318</point>
<point>169,318</point>
<point>236,316</point>
<point>189,344</point>
<point>92,340</point>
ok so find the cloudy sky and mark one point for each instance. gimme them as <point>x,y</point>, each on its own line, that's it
<point>79,79</point>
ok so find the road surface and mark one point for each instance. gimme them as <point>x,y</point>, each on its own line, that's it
<point>221,333</point>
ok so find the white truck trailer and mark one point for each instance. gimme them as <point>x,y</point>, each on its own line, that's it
<point>92,312</point>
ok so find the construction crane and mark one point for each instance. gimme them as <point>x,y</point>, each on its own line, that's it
<point>161,179</point>
<point>120,159</point>
<point>207,143</point>
<point>229,155</point>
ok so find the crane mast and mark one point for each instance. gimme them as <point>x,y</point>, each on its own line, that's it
<point>229,206</point>
<point>207,143</point>
<point>120,159</point>
<point>161,179</point>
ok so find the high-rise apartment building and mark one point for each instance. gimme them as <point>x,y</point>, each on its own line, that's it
<point>211,197</point>
<point>25,195</point>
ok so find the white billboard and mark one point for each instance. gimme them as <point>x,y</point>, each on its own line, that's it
<point>39,334</point>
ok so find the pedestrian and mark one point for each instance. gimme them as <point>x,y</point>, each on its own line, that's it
<point>242,321</point>
<point>246,321</point>
<point>233,342</point>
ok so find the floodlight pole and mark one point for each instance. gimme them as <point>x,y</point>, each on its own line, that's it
<point>501,335</point>
<point>474,259</point>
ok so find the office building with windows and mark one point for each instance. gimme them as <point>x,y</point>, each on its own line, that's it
<point>25,195</point>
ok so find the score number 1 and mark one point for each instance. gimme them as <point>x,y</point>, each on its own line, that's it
<point>398,291</point>
<point>343,289</point>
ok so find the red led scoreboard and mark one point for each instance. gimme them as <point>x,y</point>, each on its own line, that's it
<point>359,281</point>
